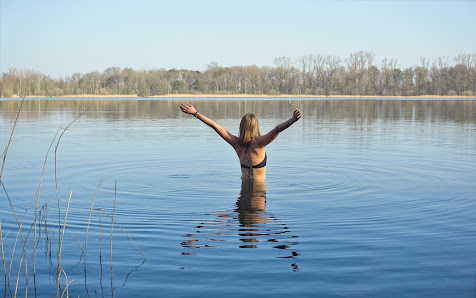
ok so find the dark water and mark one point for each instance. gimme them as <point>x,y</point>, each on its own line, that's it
<point>362,198</point>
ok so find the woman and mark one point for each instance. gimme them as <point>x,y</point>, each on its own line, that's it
<point>250,144</point>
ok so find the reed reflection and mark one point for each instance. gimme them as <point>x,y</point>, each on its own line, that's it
<point>249,220</point>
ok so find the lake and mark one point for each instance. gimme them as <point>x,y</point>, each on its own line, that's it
<point>362,198</point>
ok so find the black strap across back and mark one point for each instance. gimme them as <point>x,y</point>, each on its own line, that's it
<point>260,165</point>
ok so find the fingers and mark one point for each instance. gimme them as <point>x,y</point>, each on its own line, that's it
<point>297,114</point>
<point>185,107</point>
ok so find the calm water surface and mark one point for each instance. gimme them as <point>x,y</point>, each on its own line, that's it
<point>362,198</point>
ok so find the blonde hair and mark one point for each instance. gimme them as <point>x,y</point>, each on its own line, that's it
<point>249,130</point>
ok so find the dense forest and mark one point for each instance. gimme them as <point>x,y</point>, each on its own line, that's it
<point>308,75</point>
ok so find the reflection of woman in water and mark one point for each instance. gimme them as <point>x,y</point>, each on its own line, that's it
<point>250,144</point>
<point>251,210</point>
<point>255,227</point>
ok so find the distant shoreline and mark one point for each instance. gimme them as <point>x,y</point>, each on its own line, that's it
<point>88,96</point>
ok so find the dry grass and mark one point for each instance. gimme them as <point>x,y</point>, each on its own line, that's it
<point>89,221</point>
<point>112,220</point>
<point>40,219</point>
<point>61,246</point>
<point>3,254</point>
<point>125,234</point>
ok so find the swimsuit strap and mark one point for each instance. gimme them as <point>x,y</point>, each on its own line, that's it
<point>263,163</point>
<point>260,165</point>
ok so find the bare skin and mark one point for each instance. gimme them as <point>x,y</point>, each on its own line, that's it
<point>255,152</point>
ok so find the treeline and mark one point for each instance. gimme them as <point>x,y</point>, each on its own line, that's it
<point>308,75</point>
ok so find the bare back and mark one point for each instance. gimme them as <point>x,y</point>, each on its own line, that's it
<point>249,157</point>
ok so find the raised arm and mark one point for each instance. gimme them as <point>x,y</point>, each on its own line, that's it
<point>229,138</point>
<point>270,136</point>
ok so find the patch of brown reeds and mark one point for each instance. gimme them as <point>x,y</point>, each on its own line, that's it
<point>40,220</point>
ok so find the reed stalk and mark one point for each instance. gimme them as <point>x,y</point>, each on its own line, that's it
<point>24,247</point>
<point>58,274</point>
<point>18,277</point>
<point>19,233</point>
<point>67,285</point>
<point>291,104</point>
<point>100,251</point>
<point>36,205</point>
<point>3,254</point>
<point>56,151</point>
<point>82,250</point>
<point>4,150</point>
<point>10,140</point>
<point>125,233</point>
<point>26,277</point>
<point>24,256</point>
<point>112,220</point>
<point>100,240</point>
<point>1,175</point>
<point>89,220</point>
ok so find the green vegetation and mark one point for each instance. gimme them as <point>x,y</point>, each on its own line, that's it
<point>308,75</point>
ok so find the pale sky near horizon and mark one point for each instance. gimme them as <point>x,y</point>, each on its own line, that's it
<point>59,38</point>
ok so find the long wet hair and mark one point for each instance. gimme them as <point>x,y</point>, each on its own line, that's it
<point>249,130</point>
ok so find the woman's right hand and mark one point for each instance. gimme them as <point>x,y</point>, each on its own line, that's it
<point>296,115</point>
<point>188,108</point>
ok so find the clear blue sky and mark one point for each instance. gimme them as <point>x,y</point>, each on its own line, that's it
<point>60,37</point>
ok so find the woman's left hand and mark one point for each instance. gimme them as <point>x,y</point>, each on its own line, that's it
<point>296,115</point>
<point>188,109</point>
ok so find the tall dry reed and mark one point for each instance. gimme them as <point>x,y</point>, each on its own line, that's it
<point>89,220</point>
<point>112,220</point>
<point>40,221</point>
<point>3,255</point>
<point>61,246</point>
<point>125,234</point>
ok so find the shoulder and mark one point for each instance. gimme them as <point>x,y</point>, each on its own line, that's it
<point>264,140</point>
<point>234,141</point>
